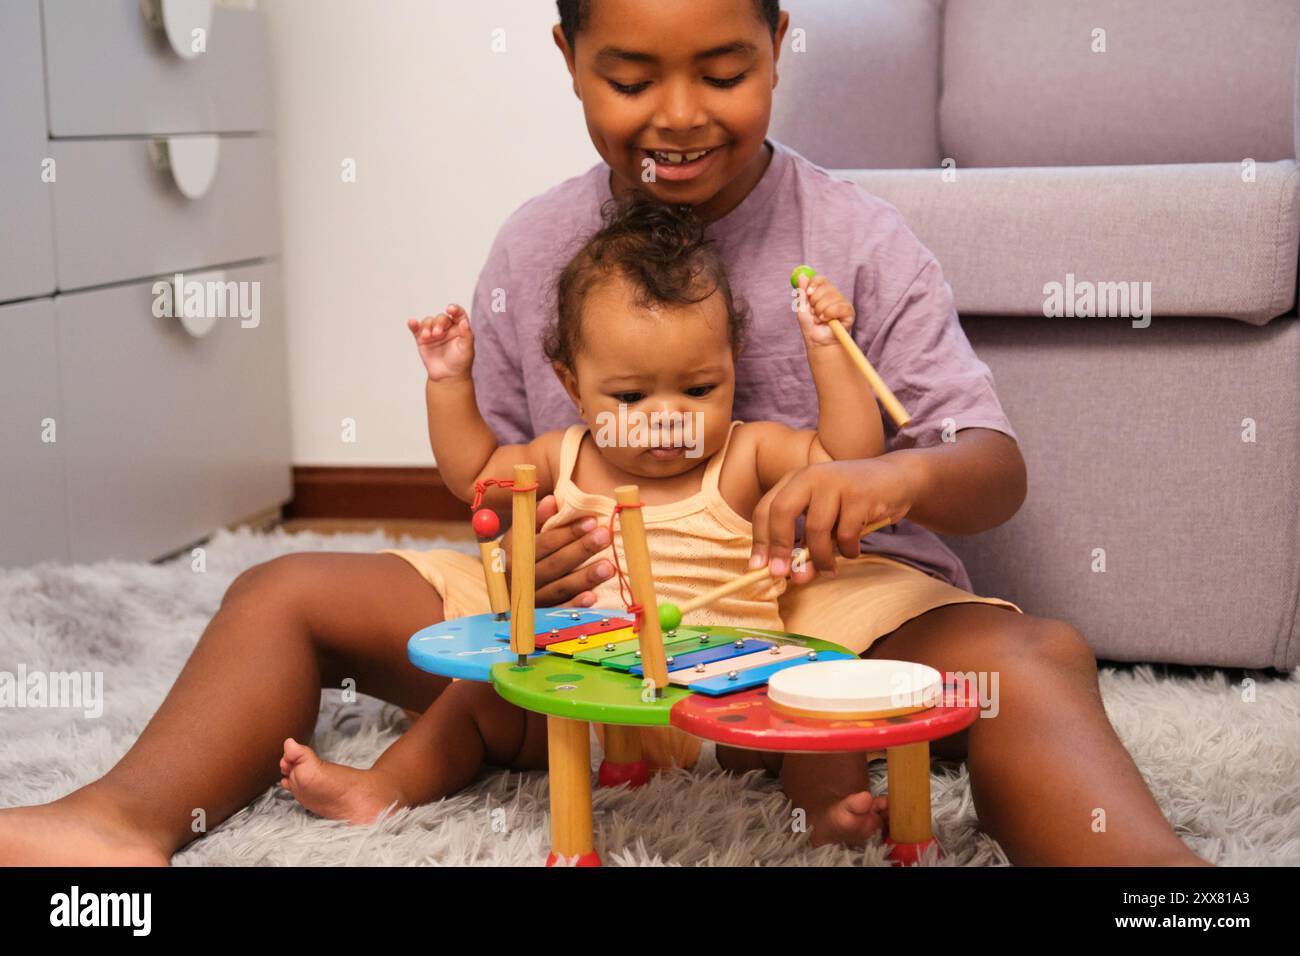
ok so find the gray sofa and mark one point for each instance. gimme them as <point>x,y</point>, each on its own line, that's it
<point>1026,148</point>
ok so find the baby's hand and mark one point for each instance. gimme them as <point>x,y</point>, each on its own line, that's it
<point>445,342</point>
<point>819,302</point>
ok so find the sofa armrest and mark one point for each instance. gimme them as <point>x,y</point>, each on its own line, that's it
<point>1209,239</point>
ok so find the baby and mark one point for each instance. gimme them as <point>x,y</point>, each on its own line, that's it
<point>644,338</point>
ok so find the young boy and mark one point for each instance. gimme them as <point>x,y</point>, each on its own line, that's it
<point>658,81</point>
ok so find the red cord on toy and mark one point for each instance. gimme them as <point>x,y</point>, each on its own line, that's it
<point>635,609</point>
<point>505,484</point>
<point>485,521</point>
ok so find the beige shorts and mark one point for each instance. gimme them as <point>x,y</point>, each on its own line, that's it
<point>870,596</point>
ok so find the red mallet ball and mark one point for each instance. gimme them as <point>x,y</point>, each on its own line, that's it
<point>486,523</point>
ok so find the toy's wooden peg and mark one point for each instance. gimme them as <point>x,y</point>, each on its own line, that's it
<point>486,525</point>
<point>637,551</point>
<point>523,580</point>
<point>493,558</point>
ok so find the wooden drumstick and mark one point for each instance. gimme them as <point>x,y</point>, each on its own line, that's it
<point>737,584</point>
<point>892,405</point>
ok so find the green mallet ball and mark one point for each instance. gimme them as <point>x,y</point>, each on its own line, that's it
<point>670,616</point>
<point>808,271</point>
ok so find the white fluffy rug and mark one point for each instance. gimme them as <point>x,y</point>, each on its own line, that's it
<point>1223,770</point>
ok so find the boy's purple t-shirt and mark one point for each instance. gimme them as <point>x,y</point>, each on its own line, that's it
<point>905,323</point>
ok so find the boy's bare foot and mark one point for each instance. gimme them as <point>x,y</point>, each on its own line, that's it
<point>70,832</point>
<point>850,821</point>
<point>333,790</point>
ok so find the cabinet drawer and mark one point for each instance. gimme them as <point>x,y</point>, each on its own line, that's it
<point>27,262</point>
<point>120,214</point>
<point>109,72</point>
<point>33,522</point>
<point>167,436</point>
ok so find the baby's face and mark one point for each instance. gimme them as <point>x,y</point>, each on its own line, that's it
<point>677,76</point>
<point>670,369</point>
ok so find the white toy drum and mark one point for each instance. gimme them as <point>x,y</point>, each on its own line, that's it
<point>855,690</point>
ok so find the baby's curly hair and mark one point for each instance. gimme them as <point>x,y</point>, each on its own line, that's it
<point>661,250</point>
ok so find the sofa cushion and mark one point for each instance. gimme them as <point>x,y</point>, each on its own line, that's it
<point>1134,444</point>
<point>1180,81</point>
<point>1208,241</point>
<point>865,91</point>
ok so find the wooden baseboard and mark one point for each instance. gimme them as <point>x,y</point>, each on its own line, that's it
<point>394,493</point>
<point>393,527</point>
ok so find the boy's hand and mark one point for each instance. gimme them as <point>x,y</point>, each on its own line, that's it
<point>445,342</point>
<point>819,302</point>
<point>840,498</point>
<point>559,552</point>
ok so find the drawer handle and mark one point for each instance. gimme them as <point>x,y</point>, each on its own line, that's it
<point>190,161</point>
<point>200,321</point>
<point>178,19</point>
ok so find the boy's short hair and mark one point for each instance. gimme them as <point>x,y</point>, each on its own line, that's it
<point>573,16</point>
<point>660,249</point>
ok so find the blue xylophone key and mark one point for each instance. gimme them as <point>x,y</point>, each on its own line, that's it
<point>756,676</point>
<point>711,654</point>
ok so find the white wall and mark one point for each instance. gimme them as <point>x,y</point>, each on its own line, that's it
<point>449,138</point>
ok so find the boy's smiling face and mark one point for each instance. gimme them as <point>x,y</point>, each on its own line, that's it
<point>673,360</point>
<point>678,76</point>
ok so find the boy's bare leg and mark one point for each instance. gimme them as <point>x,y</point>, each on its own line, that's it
<point>285,629</point>
<point>1039,770</point>
<point>1043,768</point>
<point>470,725</point>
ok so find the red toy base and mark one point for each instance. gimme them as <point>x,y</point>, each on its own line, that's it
<point>634,774</point>
<point>906,854</point>
<point>586,859</point>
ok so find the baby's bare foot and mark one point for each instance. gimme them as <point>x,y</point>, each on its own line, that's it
<point>334,791</point>
<point>71,833</point>
<point>850,820</point>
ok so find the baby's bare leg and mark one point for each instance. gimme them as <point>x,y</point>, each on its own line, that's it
<point>830,794</point>
<point>470,726</point>
<point>467,727</point>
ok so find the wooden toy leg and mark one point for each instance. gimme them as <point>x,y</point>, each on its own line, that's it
<point>569,758</point>
<point>623,761</point>
<point>909,802</point>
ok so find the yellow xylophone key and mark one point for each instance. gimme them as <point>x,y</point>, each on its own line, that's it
<point>569,648</point>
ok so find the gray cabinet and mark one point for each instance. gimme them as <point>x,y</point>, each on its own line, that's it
<point>26,249</point>
<point>119,213</point>
<point>133,426</point>
<point>33,518</point>
<point>112,73</point>
<point>153,468</point>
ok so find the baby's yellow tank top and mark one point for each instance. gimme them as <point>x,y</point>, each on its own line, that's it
<point>696,544</point>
